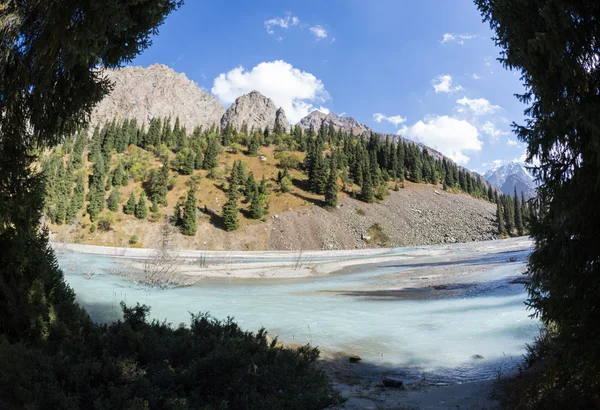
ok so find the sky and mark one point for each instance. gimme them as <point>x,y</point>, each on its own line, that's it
<point>427,70</point>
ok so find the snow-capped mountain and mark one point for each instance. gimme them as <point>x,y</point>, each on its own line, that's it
<point>509,176</point>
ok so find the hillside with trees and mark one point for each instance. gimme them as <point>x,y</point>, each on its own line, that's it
<point>118,180</point>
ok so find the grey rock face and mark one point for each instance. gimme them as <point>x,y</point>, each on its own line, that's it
<point>347,124</point>
<point>157,91</point>
<point>281,120</point>
<point>254,110</point>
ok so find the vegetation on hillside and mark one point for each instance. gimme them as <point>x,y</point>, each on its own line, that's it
<point>554,44</point>
<point>325,162</point>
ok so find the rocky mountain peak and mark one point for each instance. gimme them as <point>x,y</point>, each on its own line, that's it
<point>347,124</point>
<point>256,111</point>
<point>509,176</point>
<point>157,91</point>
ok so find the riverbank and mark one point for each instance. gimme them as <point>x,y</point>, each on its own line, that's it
<point>199,265</point>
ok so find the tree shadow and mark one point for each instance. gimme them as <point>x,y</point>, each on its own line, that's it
<point>314,201</point>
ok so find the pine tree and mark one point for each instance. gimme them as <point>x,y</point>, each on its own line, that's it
<point>256,209</point>
<point>518,214</point>
<point>500,218</point>
<point>366,190</point>
<point>254,145</point>
<point>114,199</point>
<point>250,187</point>
<point>231,220</point>
<point>188,220</point>
<point>188,165</point>
<point>331,191</point>
<point>129,208</point>
<point>177,215</point>
<point>97,191</point>
<point>154,206</point>
<point>117,178</point>
<point>141,210</point>
<point>77,200</point>
<point>198,159</point>
<point>210,157</point>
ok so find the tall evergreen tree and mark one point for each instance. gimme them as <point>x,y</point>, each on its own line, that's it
<point>114,199</point>
<point>231,218</point>
<point>129,208</point>
<point>332,189</point>
<point>210,157</point>
<point>500,218</point>
<point>188,220</point>
<point>518,214</point>
<point>77,200</point>
<point>141,209</point>
<point>256,209</point>
<point>554,45</point>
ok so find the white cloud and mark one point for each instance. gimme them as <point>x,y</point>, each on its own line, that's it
<point>394,119</point>
<point>495,164</point>
<point>443,84</point>
<point>319,32</point>
<point>294,90</point>
<point>487,61</point>
<point>322,109</point>
<point>490,129</point>
<point>451,136</point>
<point>475,76</point>
<point>458,38</point>
<point>512,142</point>
<point>282,22</point>
<point>477,106</point>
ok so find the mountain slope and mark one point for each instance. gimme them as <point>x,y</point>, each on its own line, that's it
<point>157,91</point>
<point>509,176</point>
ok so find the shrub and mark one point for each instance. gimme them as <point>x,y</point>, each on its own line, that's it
<point>92,228</point>
<point>135,363</point>
<point>133,239</point>
<point>216,174</point>
<point>106,222</point>
<point>360,211</point>
<point>288,160</point>
<point>378,236</point>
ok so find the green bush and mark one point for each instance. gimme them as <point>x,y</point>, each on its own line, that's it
<point>92,228</point>
<point>106,222</point>
<point>133,239</point>
<point>137,364</point>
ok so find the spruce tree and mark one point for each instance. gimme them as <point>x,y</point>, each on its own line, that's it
<point>177,215</point>
<point>141,210</point>
<point>366,190</point>
<point>331,191</point>
<point>117,178</point>
<point>500,218</point>
<point>77,200</point>
<point>129,208</point>
<point>188,220</point>
<point>154,206</point>
<point>210,157</point>
<point>97,191</point>
<point>231,219</point>
<point>256,209</point>
<point>114,199</point>
<point>518,214</point>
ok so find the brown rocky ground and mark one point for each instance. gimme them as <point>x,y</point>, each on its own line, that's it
<point>416,215</point>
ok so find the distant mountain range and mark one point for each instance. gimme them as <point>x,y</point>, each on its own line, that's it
<point>509,176</point>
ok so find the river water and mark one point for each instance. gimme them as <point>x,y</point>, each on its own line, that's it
<point>433,333</point>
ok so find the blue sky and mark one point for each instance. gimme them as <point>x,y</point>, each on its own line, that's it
<point>425,69</point>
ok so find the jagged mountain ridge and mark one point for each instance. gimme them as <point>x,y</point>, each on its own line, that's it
<point>509,176</point>
<point>347,124</point>
<point>157,91</point>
